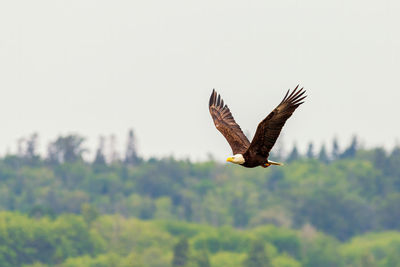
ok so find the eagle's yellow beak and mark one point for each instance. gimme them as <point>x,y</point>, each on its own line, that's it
<point>230,159</point>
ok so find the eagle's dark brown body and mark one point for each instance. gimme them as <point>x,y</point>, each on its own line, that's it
<point>254,160</point>
<point>255,153</point>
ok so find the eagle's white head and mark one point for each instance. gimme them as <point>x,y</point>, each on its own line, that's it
<point>237,159</point>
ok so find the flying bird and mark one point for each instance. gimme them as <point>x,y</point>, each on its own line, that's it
<point>256,153</point>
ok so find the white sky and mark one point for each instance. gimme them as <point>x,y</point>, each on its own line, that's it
<point>102,67</point>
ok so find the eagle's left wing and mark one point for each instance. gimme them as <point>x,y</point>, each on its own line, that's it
<point>226,124</point>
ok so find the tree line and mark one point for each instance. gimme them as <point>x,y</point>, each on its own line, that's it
<point>346,207</point>
<point>71,147</point>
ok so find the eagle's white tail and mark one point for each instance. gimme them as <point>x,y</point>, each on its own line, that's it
<point>275,163</point>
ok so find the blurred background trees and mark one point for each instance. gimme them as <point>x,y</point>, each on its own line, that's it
<point>336,207</point>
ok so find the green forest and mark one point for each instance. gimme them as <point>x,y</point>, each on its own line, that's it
<point>329,207</point>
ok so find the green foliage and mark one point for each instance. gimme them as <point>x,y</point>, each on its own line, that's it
<point>285,240</point>
<point>322,251</point>
<point>257,256</point>
<point>372,247</point>
<point>352,189</point>
<point>62,211</point>
<point>343,209</point>
<point>26,240</point>
<point>389,212</point>
<point>181,253</point>
<point>67,241</point>
<point>89,213</point>
<point>224,238</point>
<point>201,259</point>
<point>285,261</point>
<point>222,259</point>
<point>104,260</point>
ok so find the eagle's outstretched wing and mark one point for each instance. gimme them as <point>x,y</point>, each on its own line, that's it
<point>226,124</point>
<point>269,129</point>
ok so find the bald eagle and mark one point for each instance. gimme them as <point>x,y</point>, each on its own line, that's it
<point>256,153</point>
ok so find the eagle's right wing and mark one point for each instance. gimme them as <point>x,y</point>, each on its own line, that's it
<point>225,123</point>
<point>269,129</point>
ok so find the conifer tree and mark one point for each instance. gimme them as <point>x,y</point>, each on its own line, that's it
<point>351,151</point>
<point>310,151</point>
<point>131,157</point>
<point>294,154</point>
<point>100,158</point>
<point>31,146</point>
<point>322,155</point>
<point>112,155</point>
<point>335,149</point>
<point>66,149</point>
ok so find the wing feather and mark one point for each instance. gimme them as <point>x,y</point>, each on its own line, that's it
<point>225,123</point>
<point>269,129</point>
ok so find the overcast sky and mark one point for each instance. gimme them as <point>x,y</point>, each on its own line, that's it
<point>102,67</point>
